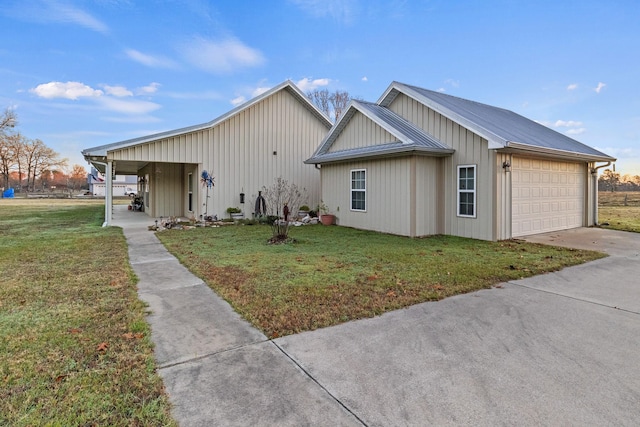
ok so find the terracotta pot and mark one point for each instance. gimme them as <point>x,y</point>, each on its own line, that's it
<point>327,219</point>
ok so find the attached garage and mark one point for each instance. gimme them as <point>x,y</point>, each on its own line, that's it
<point>547,195</point>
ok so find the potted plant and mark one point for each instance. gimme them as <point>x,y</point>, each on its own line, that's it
<point>303,211</point>
<point>235,213</point>
<point>326,218</point>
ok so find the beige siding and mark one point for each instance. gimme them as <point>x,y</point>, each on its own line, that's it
<point>239,153</point>
<point>470,149</point>
<point>388,184</point>
<point>428,203</point>
<point>361,132</point>
<point>503,197</point>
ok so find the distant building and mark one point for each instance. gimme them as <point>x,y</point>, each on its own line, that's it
<point>123,185</point>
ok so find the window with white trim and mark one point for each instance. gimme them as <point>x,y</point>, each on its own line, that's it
<point>467,191</point>
<point>359,190</point>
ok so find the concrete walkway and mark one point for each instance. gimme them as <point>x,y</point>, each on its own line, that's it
<point>556,349</point>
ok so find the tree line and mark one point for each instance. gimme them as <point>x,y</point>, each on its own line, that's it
<point>613,181</point>
<point>29,165</point>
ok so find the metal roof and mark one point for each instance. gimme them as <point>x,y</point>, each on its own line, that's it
<point>101,151</point>
<point>502,128</point>
<point>410,137</point>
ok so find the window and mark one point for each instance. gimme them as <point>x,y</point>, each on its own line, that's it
<point>359,190</point>
<point>467,191</point>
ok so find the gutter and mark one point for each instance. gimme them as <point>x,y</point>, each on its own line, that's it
<point>594,174</point>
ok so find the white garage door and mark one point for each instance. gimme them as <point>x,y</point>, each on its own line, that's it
<point>547,195</point>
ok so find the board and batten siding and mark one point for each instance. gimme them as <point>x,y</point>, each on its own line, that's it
<point>470,149</point>
<point>388,198</point>
<point>361,132</point>
<point>245,152</point>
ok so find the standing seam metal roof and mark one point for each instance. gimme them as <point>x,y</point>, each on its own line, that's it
<point>488,121</point>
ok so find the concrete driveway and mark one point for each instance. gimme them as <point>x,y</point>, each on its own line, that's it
<point>558,349</point>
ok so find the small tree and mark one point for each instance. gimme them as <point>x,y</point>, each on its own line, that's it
<point>280,194</point>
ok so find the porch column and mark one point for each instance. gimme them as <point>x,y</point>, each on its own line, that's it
<point>108,199</point>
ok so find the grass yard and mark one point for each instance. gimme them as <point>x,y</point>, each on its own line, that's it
<point>620,210</point>
<point>74,343</point>
<point>335,274</point>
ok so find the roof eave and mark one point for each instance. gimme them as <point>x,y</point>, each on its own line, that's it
<point>519,147</point>
<point>392,152</point>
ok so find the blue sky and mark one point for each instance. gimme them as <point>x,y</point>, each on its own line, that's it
<point>86,73</point>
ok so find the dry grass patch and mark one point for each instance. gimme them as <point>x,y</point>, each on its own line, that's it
<point>619,210</point>
<point>335,274</point>
<point>75,343</point>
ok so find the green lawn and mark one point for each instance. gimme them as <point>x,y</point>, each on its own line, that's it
<point>335,274</point>
<point>620,210</point>
<point>74,343</point>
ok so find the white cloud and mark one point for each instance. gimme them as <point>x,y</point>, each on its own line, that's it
<point>308,85</point>
<point>572,86</point>
<point>132,119</point>
<point>259,91</point>
<point>453,83</point>
<point>600,87</point>
<point>441,90</point>
<point>68,90</point>
<point>568,124</point>
<point>133,106</point>
<point>119,91</point>
<point>238,100</point>
<point>221,57</point>
<point>365,79</point>
<point>66,13</point>
<point>339,10</point>
<point>150,60</point>
<point>53,11</point>
<point>194,95</point>
<point>111,99</point>
<point>149,89</point>
<point>576,131</point>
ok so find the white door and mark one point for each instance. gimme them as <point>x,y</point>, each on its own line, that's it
<point>546,195</point>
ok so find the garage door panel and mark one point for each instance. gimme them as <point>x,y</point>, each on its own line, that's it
<point>546,195</point>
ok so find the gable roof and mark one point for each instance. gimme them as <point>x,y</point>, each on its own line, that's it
<point>289,86</point>
<point>411,138</point>
<point>503,129</point>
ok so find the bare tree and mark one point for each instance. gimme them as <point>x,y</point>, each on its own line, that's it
<point>77,177</point>
<point>339,101</point>
<point>8,120</point>
<point>320,99</point>
<point>37,158</point>
<point>7,159</point>
<point>332,104</point>
<point>7,153</point>
<point>282,199</point>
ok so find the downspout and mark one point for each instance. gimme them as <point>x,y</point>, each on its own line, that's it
<point>108,199</point>
<point>594,175</point>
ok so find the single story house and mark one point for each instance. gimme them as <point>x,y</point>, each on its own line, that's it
<point>244,150</point>
<point>419,162</point>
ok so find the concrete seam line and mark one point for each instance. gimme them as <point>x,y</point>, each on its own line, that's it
<point>318,383</point>
<point>204,356</point>
<point>574,298</point>
<point>152,260</point>
<point>173,288</point>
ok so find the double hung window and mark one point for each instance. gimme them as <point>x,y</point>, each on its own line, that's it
<point>467,191</point>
